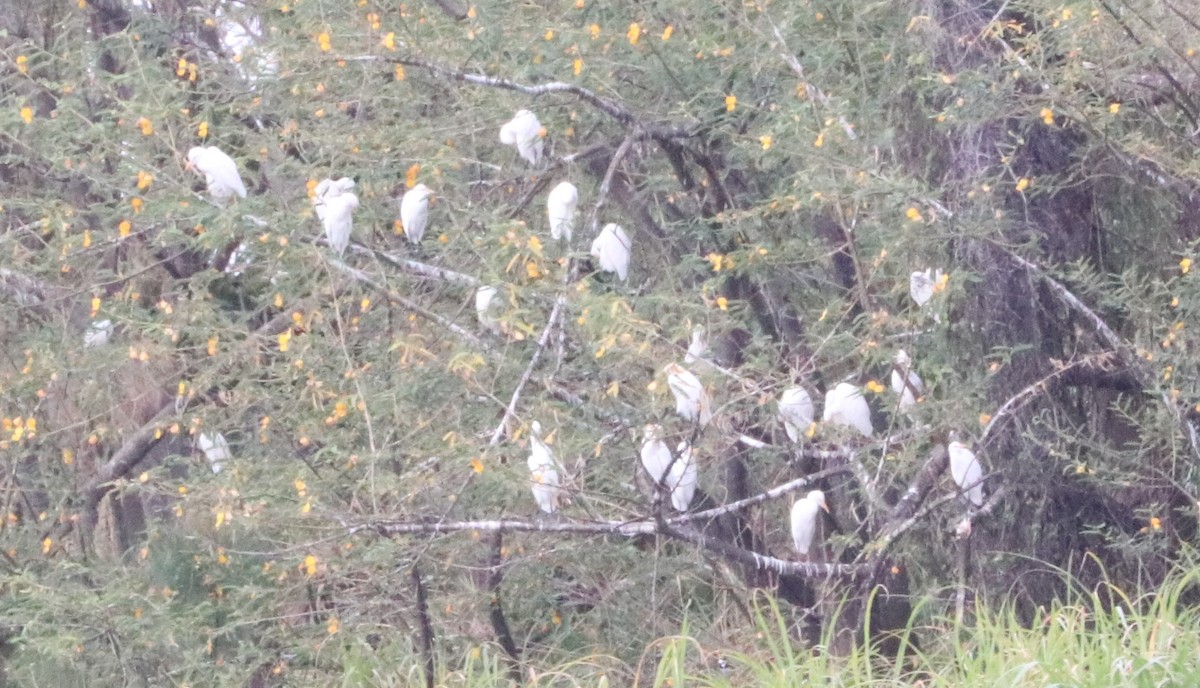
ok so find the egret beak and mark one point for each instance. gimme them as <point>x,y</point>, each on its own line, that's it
<point>824,506</point>
<point>188,166</point>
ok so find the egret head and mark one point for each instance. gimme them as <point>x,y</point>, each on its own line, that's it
<point>193,157</point>
<point>536,428</point>
<point>818,497</point>
<point>652,432</point>
<point>902,358</point>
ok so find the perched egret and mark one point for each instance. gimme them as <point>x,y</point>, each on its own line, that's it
<point>691,399</point>
<point>698,348</point>
<point>680,471</point>
<point>611,248</point>
<point>483,305</point>
<point>525,132</point>
<point>906,382</point>
<point>98,333</point>
<point>966,471</point>
<point>923,285</point>
<point>683,477</point>
<point>327,189</point>
<point>544,480</point>
<point>414,212</point>
<point>560,208</point>
<point>219,170</point>
<point>796,412</point>
<point>805,512</point>
<point>845,405</point>
<point>339,220</point>
<point>215,449</point>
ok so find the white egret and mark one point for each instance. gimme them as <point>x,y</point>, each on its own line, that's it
<point>215,449</point>
<point>845,405</point>
<point>683,477</point>
<point>328,189</point>
<point>97,333</point>
<point>414,212</point>
<point>691,399</point>
<point>680,471</point>
<point>805,513</point>
<point>524,131</point>
<point>966,471</point>
<point>796,411</point>
<point>483,305</point>
<point>339,220</point>
<point>698,348</point>
<point>219,170</point>
<point>906,382</point>
<point>611,248</point>
<point>560,208</point>
<point>544,472</point>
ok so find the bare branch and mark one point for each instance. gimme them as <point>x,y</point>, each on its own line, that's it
<point>555,314</point>
<point>418,269</point>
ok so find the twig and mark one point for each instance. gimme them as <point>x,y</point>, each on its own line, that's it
<point>555,314</point>
<point>413,267</point>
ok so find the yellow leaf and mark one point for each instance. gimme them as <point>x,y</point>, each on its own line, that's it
<point>820,140</point>
<point>594,30</point>
<point>985,418</point>
<point>1114,108</point>
<point>1185,265</point>
<point>68,455</point>
<point>410,177</point>
<point>766,142</point>
<point>27,115</point>
<point>144,180</point>
<point>95,306</point>
<point>46,545</point>
<point>531,269</point>
<point>613,389</point>
<point>730,103</point>
<point>285,338</point>
<point>874,387</point>
<point>634,33</point>
<point>398,72</point>
<point>220,519</point>
<point>389,40</point>
<point>1047,116</point>
<point>323,41</point>
<point>22,64</point>
<point>549,35</point>
<point>577,66</point>
<point>136,203</point>
<point>722,303</point>
<point>87,238</point>
<point>333,626</point>
<point>144,477</point>
<point>913,214</point>
<point>202,130</point>
<point>1155,523</point>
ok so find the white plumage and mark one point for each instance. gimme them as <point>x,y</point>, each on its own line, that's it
<point>906,382</point>
<point>524,131</point>
<point>327,189</point>
<point>845,405</point>
<point>691,399</point>
<point>215,449</point>
<point>414,212</point>
<point>804,520</point>
<point>339,220</point>
<point>611,248</point>
<point>681,472</point>
<point>966,471</point>
<point>97,333</point>
<point>683,477</point>
<point>543,472</point>
<point>796,411</point>
<point>560,208</point>
<point>219,170</point>
<point>483,305</point>
<point>698,348</point>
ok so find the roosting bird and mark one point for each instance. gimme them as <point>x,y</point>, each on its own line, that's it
<point>691,399</point>
<point>483,308</point>
<point>680,472</point>
<point>796,411</point>
<point>524,132</point>
<point>560,208</point>
<point>612,248</point>
<point>846,406</point>
<point>215,449</point>
<point>219,170</point>
<point>805,513</point>
<point>339,220</point>
<point>544,472</point>
<point>414,212</point>
<point>327,189</point>
<point>966,471</point>
<point>906,382</point>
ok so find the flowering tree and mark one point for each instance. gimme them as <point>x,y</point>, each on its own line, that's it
<point>233,453</point>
